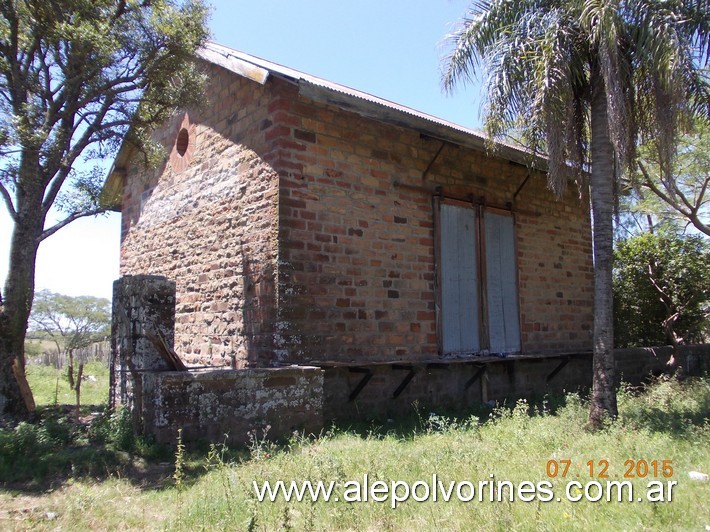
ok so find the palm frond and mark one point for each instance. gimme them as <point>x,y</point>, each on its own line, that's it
<point>536,59</point>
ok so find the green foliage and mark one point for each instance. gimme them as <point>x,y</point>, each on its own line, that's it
<point>57,447</point>
<point>114,428</point>
<point>37,450</point>
<point>77,77</point>
<point>661,289</point>
<point>542,63</point>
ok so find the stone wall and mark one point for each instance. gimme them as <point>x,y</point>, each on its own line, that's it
<point>204,404</point>
<point>208,221</point>
<point>143,307</point>
<point>219,405</point>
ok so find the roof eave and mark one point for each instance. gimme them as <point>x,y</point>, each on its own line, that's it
<point>323,91</point>
<point>233,63</point>
<point>431,128</point>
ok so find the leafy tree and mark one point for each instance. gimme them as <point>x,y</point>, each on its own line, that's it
<point>661,289</point>
<point>73,323</point>
<point>683,200</point>
<point>581,80</point>
<point>75,76</point>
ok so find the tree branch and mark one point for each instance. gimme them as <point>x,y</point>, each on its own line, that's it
<point>8,201</point>
<point>54,188</point>
<point>648,183</point>
<point>69,219</point>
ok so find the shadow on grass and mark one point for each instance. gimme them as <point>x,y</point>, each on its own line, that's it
<point>420,420</point>
<point>57,446</point>
<point>677,407</point>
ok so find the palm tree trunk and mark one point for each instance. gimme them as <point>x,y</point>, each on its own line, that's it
<point>603,401</point>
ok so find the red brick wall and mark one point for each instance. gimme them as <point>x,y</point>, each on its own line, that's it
<point>357,252</point>
<point>289,241</point>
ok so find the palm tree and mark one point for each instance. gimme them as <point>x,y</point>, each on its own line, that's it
<point>584,81</point>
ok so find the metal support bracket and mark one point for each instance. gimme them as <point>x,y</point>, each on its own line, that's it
<point>559,368</point>
<point>407,379</point>
<point>366,376</point>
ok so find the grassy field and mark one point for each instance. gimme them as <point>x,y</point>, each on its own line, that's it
<point>108,480</point>
<point>50,386</point>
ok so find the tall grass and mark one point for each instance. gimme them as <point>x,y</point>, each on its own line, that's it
<point>669,422</point>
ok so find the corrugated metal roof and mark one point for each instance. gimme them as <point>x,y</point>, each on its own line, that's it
<point>259,69</point>
<point>320,82</point>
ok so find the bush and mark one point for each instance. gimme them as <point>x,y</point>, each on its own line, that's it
<point>114,428</point>
<point>661,290</point>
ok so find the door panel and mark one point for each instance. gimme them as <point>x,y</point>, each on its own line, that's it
<point>460,280</point>
<point>501,283</point>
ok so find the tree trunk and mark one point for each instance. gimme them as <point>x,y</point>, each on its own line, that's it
<point>17,303</point>
<point>16,400</point>
<point>603,401</point>
<point>70,369</point>
<point>11,400</point>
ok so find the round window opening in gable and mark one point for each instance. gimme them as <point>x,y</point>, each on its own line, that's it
<point>182,143</point>
<point>184,146</point>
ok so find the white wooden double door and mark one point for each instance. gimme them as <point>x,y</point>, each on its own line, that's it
<point>478,281</point>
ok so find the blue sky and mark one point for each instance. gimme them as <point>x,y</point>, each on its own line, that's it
<point>391,49</point>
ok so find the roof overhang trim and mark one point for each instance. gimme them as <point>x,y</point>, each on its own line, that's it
<point>233,64</point>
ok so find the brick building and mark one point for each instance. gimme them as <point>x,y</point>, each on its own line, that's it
<point>308,223</point>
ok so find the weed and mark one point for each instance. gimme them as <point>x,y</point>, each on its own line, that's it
<point>260,448</point>
<point>286,525</point>
<point>179,474</point>
<point>253,509</point>
<point>225,470</point>
<point>439,423</point>
<point>115,427</point>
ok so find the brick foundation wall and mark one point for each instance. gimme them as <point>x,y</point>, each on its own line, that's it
<point>208,405</point>
<point>448,387</point>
